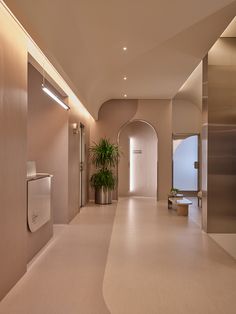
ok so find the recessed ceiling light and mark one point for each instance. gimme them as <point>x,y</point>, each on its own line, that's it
<point>125,95</point>
<point>125,78</point>
<point>124,48</point>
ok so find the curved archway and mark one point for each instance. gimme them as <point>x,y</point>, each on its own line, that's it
<point>137,170</point>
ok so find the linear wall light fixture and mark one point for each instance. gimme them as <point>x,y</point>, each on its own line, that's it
<point>54,97</point>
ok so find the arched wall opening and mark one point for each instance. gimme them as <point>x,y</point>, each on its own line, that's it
<point>137,169</point>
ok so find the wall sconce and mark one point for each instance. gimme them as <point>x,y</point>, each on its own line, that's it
<point>75,128</point>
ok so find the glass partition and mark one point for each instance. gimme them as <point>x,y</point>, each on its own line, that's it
<point>185,163</point>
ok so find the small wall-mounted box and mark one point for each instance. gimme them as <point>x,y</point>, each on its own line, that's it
<point>38,197</point>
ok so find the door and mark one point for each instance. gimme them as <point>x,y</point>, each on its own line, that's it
<point>185,162</point>
<point>82,166</point>
<point>137,168</point>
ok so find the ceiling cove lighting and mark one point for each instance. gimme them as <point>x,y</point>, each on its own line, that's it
<point>54,97</point>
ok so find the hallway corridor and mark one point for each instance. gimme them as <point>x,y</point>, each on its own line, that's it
<point>132,257</point>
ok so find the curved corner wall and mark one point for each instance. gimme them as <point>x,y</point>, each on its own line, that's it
<point>115,113</point>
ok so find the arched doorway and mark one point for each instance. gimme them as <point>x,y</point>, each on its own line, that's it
<point>137,170</point>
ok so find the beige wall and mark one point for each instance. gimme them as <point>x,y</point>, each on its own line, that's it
<point>115,113</point>
<point>50,135</point>
<point>47,146</point>
<point>187,117</point>
<point>13,123</point>
<point>75,116</point>
<point>48,141</point>
<point>55,147</point>
<point>145,163</point>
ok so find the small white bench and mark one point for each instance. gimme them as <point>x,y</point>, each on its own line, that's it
<point>182,205</point>
<point>173,198</point>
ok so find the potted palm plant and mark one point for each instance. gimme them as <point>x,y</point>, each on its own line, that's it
<point>104,156</point>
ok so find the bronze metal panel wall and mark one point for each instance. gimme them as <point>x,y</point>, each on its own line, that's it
<point>221,156</point>
<point>204,146</point>
<point>221,179</point>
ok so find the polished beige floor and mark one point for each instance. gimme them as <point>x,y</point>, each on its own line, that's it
<point>136,257</point>
<point>226,241</point>
<point>67,278</point>
<point>162,263</point>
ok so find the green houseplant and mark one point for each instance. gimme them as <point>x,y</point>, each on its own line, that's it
<point>104,156</point>
<point>174,192</point>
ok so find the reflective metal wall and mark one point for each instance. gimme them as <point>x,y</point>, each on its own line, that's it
<point>204,146</point>
<point>219,133</point>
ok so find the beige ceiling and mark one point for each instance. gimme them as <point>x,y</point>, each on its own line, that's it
<point>166,40</point>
